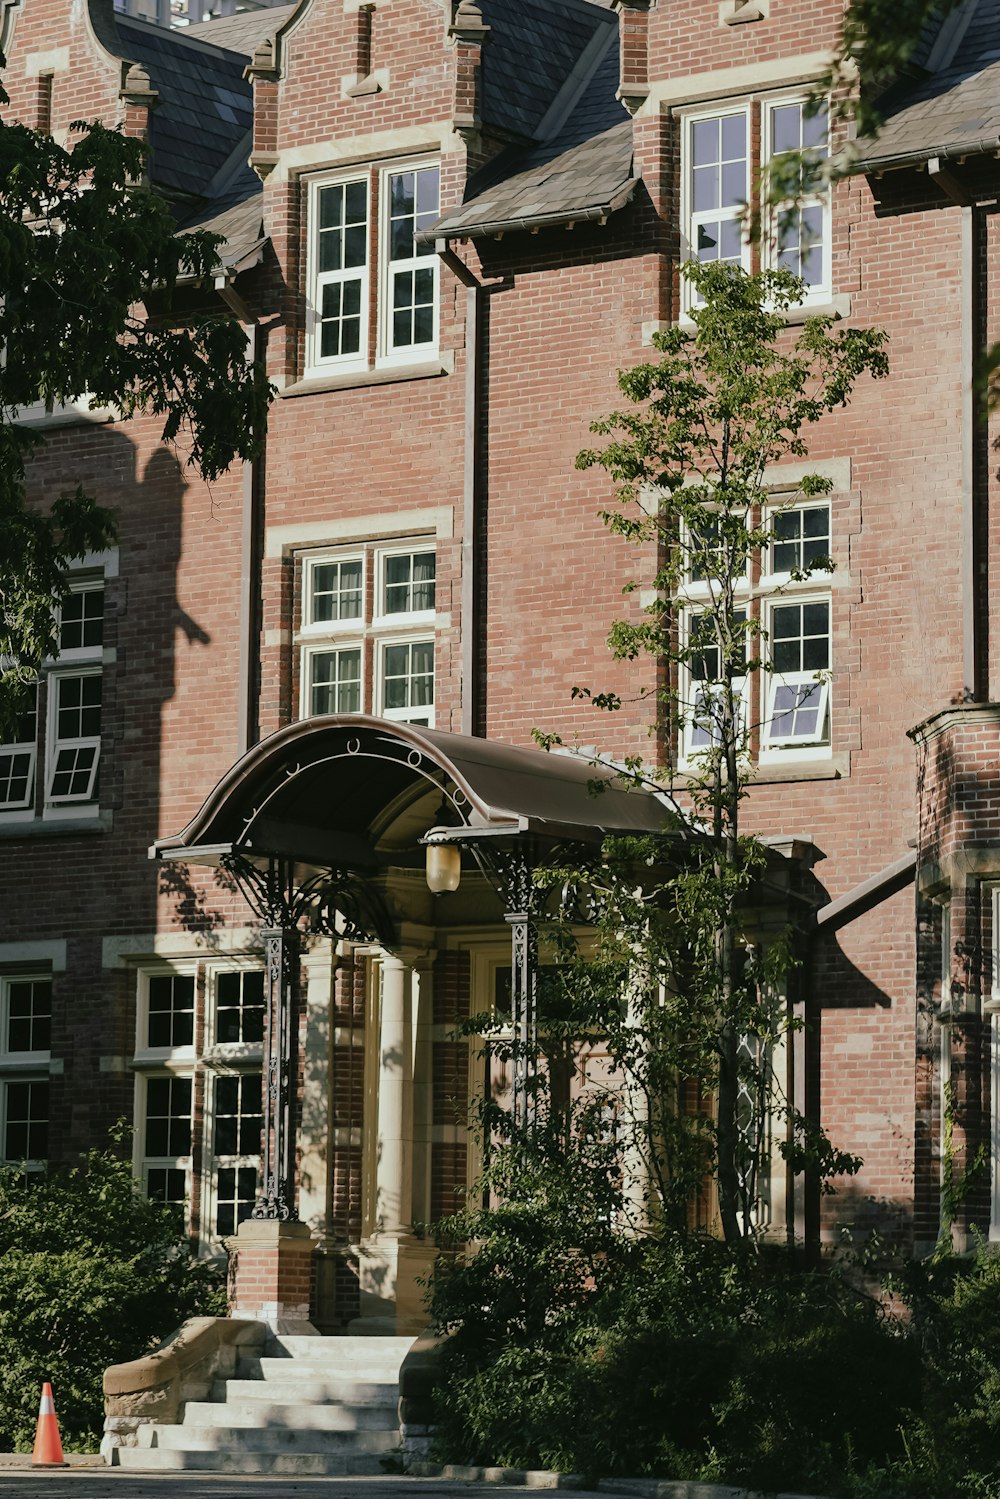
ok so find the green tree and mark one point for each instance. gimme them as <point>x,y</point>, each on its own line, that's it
<point>688,456</point>
<point>91,1273</point>
<point>84,246</point>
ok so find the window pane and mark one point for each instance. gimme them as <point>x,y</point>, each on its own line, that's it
<point>73,774</point>
<point>82,620</point>
<point>704,141</point>
<point>26,1125</point>
<point>171,1010</point>
<point>29,1015</point>
<point>734,137</point>
<point>786,127</point>
<point>239,1008</point>
<point>168,1116</point>
<point>335,591</point>
<point>16,777</point>
<point>705,188</point>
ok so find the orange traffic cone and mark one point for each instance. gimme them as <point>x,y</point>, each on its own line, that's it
<point>48,1451</point>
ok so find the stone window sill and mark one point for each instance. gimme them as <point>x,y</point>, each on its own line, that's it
<point>56,827</point>
<point>389,375</point>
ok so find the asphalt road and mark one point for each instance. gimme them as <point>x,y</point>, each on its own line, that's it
<point>113,1483</point>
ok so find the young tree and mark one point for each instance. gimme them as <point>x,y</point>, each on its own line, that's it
<point>689,456</point>
<point>83,245</point>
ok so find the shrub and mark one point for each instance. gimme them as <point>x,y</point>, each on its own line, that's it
<point>91,1274</point>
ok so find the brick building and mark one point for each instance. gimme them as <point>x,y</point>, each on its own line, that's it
<point>445,228</point>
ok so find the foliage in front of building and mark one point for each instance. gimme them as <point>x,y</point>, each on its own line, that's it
<point>91,1274</point>
<point>580,1349</point>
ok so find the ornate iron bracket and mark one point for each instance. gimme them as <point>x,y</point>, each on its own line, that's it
<point>337,904</point>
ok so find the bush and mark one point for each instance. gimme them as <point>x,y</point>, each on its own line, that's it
<point>91,1274</point>
<point>672,1358</point>
<point>576,1349</point>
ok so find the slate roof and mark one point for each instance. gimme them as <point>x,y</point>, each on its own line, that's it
<point>582,171</point>
<point>240,222</point>
<point>951,112</point>
<point>200,128</point>
<point>532,50</point>
<point>243,32</point>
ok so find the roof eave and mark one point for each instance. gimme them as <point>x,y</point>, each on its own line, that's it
<point>897,161</point>
<point>484,228</point>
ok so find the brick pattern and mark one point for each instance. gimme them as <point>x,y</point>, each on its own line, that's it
<point>562,311</point>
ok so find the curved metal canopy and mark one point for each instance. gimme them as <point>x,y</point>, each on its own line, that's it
<point>313,791</point>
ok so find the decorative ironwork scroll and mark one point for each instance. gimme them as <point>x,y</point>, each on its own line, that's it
<point>332,902</point>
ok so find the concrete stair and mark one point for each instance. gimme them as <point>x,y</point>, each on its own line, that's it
<point>310,1406</point>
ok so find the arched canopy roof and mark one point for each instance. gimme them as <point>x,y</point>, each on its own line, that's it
<point>330,790</point>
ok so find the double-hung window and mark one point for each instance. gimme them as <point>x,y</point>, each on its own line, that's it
<point>718,187</point>
<point>782,616</point>
<point>720,169</point>
<point>367,632</point>
<point>797,620</point>
<point>25,1030</point>
<point>52,762</point>
<point>198,1054</point>
<point>372,291</point>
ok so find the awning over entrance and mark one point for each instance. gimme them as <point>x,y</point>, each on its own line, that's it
<point>359,792</point>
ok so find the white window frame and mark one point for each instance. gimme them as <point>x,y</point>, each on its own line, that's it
<point>408,714</point>
<point>16,749</point>
<point>26,1067</point>
<point>159,1056</point>
<point>374,631</point>
<point>144,1161</point>
<point>69,803</point>
<point>690,220</point>
<point>403,619</point>
<point>772,747</point>
<point>378,272</point>
<point>692,690</point>
<point>316,362</point>
<point>823,291</point>
<point>389,354</point>
<point>772,577</point>
<point>324,627</point>
<point>214,1162</point>
<point>333,647</point>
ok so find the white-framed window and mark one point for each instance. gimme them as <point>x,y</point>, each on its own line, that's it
<point>783,607</point>
<point>702,682</point>
<point>361,241</point>
<point>198,1058</point>
<point>719,169</point>
<point>237,1122</point>
<point>798,688</point>
<point>366,632</point>
<point>717,186</point>
<point>52,764</point>
<point>801,229</point>
<point>25,1038</point>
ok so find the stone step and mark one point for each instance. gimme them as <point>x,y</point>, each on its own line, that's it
<point>296,1345</point>
<point>296,1416</point>
<point>252,1367</point>
<point>294,1388</point>
<point>292,1464</point>
<point>267,1439</point>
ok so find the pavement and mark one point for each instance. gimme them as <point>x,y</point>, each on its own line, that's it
<point>88,1482</point>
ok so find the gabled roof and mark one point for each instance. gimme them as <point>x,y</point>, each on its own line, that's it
<point>200,130</point>
<point>954,109</point>
<point>533,49</point>
<point>244,32</point>
<point>581,170</point>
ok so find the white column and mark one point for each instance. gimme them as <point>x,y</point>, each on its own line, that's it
<point>314,1131</point>
<point>394,1167</point>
